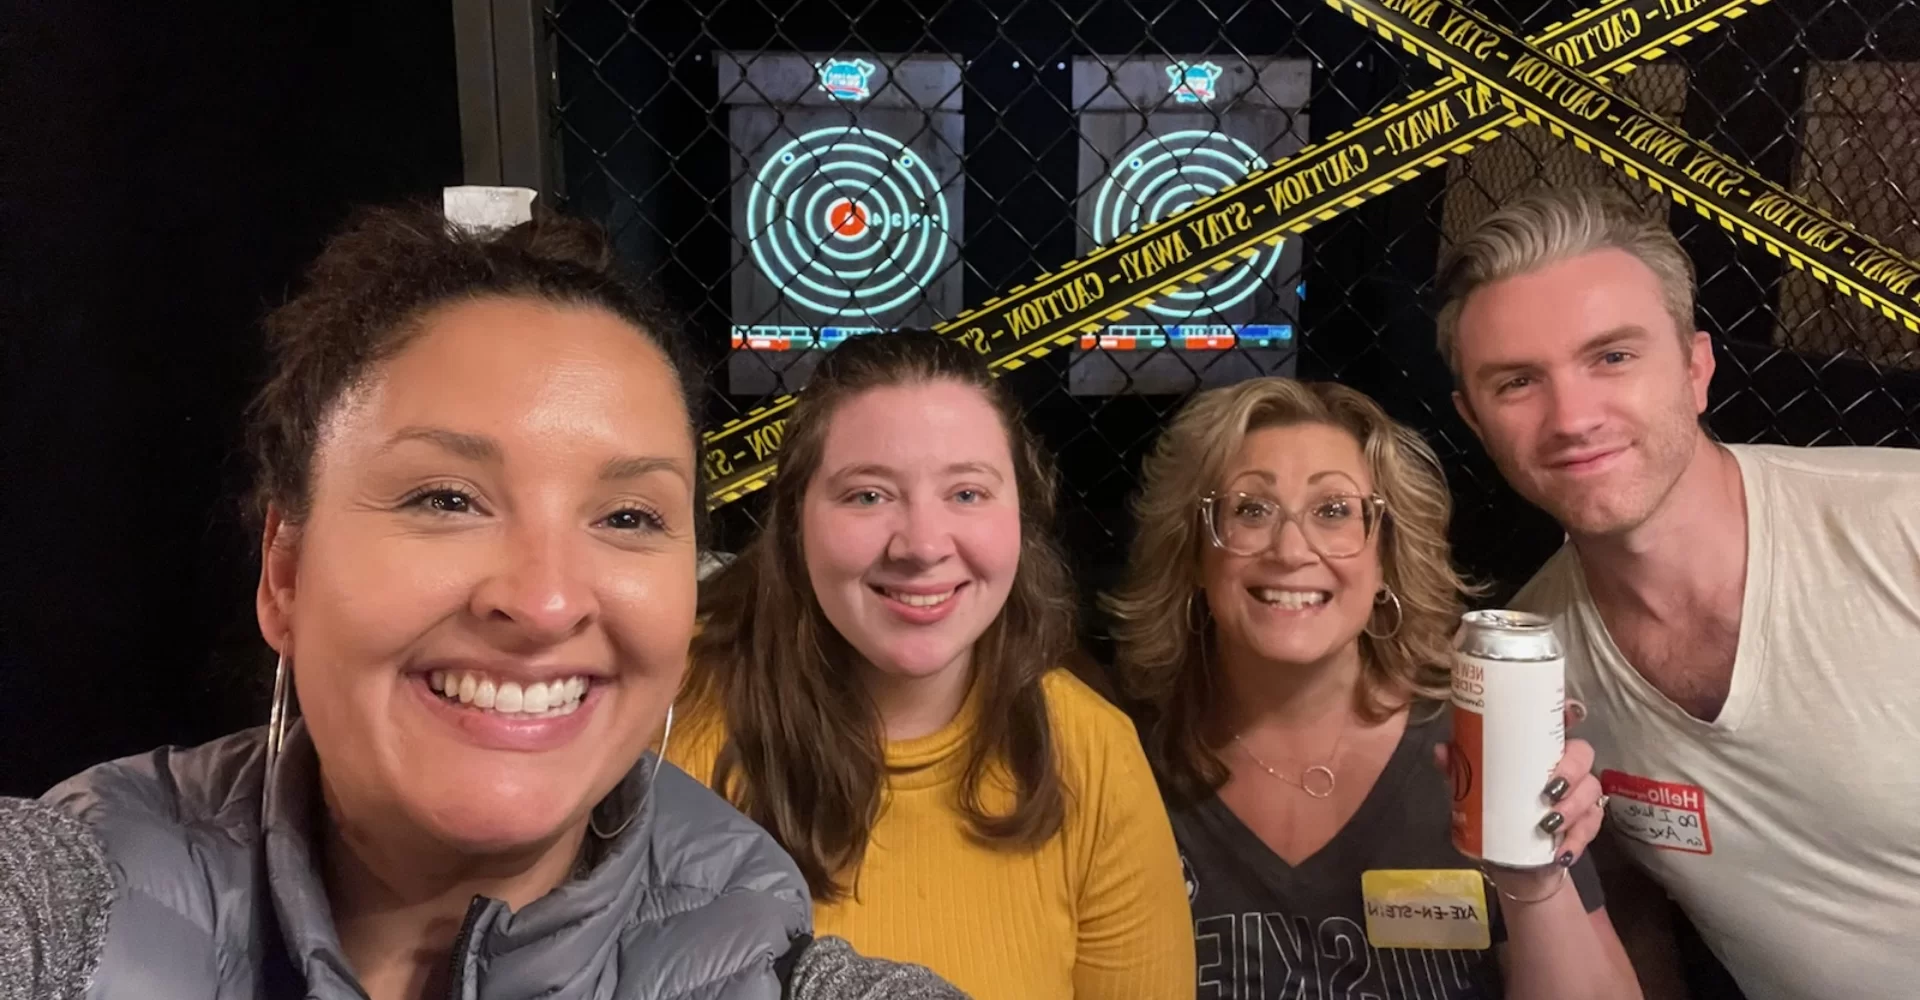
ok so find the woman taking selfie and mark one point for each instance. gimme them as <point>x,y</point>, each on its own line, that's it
<point>876,682</point>
<point>1285,619</point>
<point>480,504</point>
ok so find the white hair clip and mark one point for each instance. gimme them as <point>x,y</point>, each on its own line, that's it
<point>478,209</point>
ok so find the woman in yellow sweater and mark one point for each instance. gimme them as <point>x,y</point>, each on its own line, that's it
<point>876,683</point>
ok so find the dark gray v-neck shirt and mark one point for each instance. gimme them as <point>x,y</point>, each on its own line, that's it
<point>1267,930</point>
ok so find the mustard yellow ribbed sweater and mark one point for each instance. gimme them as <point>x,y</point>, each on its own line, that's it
<point>1099,912</point>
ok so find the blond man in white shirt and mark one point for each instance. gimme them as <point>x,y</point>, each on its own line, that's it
<point>1742,622</point>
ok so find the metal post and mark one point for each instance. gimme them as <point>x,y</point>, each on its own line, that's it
<point>523,87</point>
<point>474,75</point>
<point>505,80</point>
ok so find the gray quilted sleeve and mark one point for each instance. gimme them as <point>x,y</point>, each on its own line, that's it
<point>831,970</point>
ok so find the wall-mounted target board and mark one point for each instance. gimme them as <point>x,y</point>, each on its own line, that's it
<point>1158,134</point>
<point>846,204</point>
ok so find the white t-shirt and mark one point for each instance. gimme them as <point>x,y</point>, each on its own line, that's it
<point>1788,827</point>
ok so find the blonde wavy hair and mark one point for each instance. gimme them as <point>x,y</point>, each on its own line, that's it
<point>1162,656</point>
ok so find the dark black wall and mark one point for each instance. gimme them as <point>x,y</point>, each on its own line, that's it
<point>165,170</point>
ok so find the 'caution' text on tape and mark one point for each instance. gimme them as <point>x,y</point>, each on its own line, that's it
<point>1213,235</point>
<point>1575,105</point>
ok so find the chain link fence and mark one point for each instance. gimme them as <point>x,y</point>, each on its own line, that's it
<point>793,173</point>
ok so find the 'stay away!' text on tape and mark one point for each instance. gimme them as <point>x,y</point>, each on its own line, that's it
<point>1313,185</point>
<point>1574,105</point>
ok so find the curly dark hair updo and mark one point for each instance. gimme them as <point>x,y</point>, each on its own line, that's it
<point>362,300</point>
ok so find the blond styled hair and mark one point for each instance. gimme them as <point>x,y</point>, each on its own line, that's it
<point>1162,654</point>
<point>1551,225</point>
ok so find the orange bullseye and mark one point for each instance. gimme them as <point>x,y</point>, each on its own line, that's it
<point>847,218</point>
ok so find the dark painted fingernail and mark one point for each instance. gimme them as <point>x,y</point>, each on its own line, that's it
<point>1553,822</point>
<point>1566,860</point>
<point>1557,789</point>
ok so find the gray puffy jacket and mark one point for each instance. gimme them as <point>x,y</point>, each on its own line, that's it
<point>690,901</point>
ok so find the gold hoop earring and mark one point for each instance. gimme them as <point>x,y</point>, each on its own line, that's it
<point>593,823</point>
<point>1200,629</point>
<point>1386,596</point>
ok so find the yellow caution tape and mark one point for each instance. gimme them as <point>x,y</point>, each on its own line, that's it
<point>1379,152</point>
<point>1575,105</point>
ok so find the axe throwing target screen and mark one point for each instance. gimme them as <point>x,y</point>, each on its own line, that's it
<point>1156,136</point>
<point>1118,204</point>
<point>846,193</point>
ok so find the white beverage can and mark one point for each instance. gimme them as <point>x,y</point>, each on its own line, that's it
<point>1509,730</point>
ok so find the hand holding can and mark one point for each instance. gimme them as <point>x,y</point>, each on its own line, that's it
<point>1575,803</point>
<point>1509,739</point>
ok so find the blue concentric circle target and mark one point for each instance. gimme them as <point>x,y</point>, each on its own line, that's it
<point>847,222</point>
<point>1164,175</point>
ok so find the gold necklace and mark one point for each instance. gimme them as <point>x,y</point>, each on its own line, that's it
<point>1305,782</point>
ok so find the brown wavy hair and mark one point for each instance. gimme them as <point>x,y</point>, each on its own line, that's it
<point>805,751</point>
<point>1162,659</point>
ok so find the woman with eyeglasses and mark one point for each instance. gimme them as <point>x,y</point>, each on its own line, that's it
<point>1284,624</point>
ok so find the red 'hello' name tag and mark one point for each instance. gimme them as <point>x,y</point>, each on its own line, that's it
<point>1670,815</point>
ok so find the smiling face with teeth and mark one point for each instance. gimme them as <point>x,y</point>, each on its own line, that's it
<point>911,527</point>
<point>488,601</point>
<point>1583,390</point>
<point>1289,605</point>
